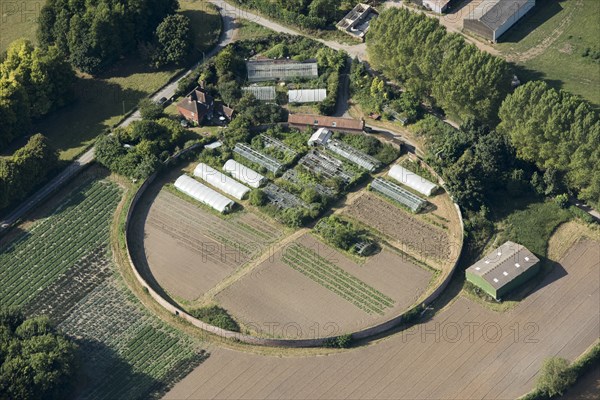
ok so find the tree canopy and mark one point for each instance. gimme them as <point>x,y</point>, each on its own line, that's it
<point>558,132</point>
<point>35,361</point>
<point>93,34</point>
<point>174,40</point>
<point>27,168</point>
<point>33,83</point>
<point>416,51</point>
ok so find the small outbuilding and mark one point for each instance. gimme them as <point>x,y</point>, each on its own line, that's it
<point>320,137</point>
<point>504,269</point>
<point>356,23</point>
<point>438,6</point>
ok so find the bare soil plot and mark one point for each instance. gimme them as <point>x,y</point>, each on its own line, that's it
<point>439,359</point>
<point>189,249</point>
<point>421,239</point>
<point>308,289</point>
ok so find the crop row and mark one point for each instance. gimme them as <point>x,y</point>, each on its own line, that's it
<point>338,272</point>
<point>345,285</point>
<point>30,265</point>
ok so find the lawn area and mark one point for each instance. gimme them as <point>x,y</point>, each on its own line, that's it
<point>101,102</point>
<point>250,30</point>
<point>550,42</point>
<point>532,225</point>
<point>18,19</point>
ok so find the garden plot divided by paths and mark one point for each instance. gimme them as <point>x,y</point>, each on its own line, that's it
<point>189,250</point>
<point>430,361</point>
<point>308,289</point>
<point>421,240</point>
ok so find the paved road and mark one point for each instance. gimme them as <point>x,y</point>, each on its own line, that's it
<point>168,91</point>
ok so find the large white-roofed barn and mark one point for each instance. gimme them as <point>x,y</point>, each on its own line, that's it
<point>221,181</point>
<point>204,194</point>
<point>244,174</point>
<point>412,180</point>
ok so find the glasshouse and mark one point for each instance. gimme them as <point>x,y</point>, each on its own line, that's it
<point>244,174</point>
<point>307,95</point>
<point>272,70</point>
<point>325,166</point>
<point>262,93</point>
<point>203,194</point>
<point>412,180</point>
<point>353,155</point>
<point>258,158</point>
<point>399,194</point>
<point>221,181</point>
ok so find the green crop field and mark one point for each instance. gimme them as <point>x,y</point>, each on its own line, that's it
<point>62,267</point>
<point>334,278</point>
<point>551,42</point>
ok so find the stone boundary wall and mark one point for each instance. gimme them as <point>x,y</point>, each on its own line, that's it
<point>272,342</point>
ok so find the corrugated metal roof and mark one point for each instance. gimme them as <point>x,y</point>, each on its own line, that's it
<point>203,194</point>
<point>307,95</point>
<point>495,13</point>
<point>504,264</point>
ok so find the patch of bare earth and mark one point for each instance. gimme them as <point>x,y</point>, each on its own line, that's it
<point>189,250</point>
<point>432,238</point>
<point>276,299</point>
<point>465,351</point>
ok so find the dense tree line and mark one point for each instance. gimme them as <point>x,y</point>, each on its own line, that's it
<point>416,51</point>
<point>558,132</point>
<point>307,14</point>
<point>36,362</point>
<point>33,83</point>
<point>138,150</point>
<point>27,168</point>
<point>93,34</point>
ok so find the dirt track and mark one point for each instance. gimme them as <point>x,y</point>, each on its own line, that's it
<point>431,361</point>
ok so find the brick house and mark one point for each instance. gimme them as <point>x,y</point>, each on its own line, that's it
<point>199,105</point>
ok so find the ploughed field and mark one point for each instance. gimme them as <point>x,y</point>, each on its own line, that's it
<point>425,237</point>
<point>190,249</point>
<point>308,289</point>
<point>60,266</point>
<point>465,351</point>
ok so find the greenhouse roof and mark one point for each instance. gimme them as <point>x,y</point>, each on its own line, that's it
<point>221,181</point>
<point>203,194</point>
<point>307,95</point>
<point>244,174</point>
<point>412,180</point>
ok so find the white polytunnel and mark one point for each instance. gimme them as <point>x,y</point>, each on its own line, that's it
<point>221,181</point>
<point>203,194</point>
<point>412,180</point>
<point>244,174</point>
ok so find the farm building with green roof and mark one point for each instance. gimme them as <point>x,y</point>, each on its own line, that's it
<point>504,269</point>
